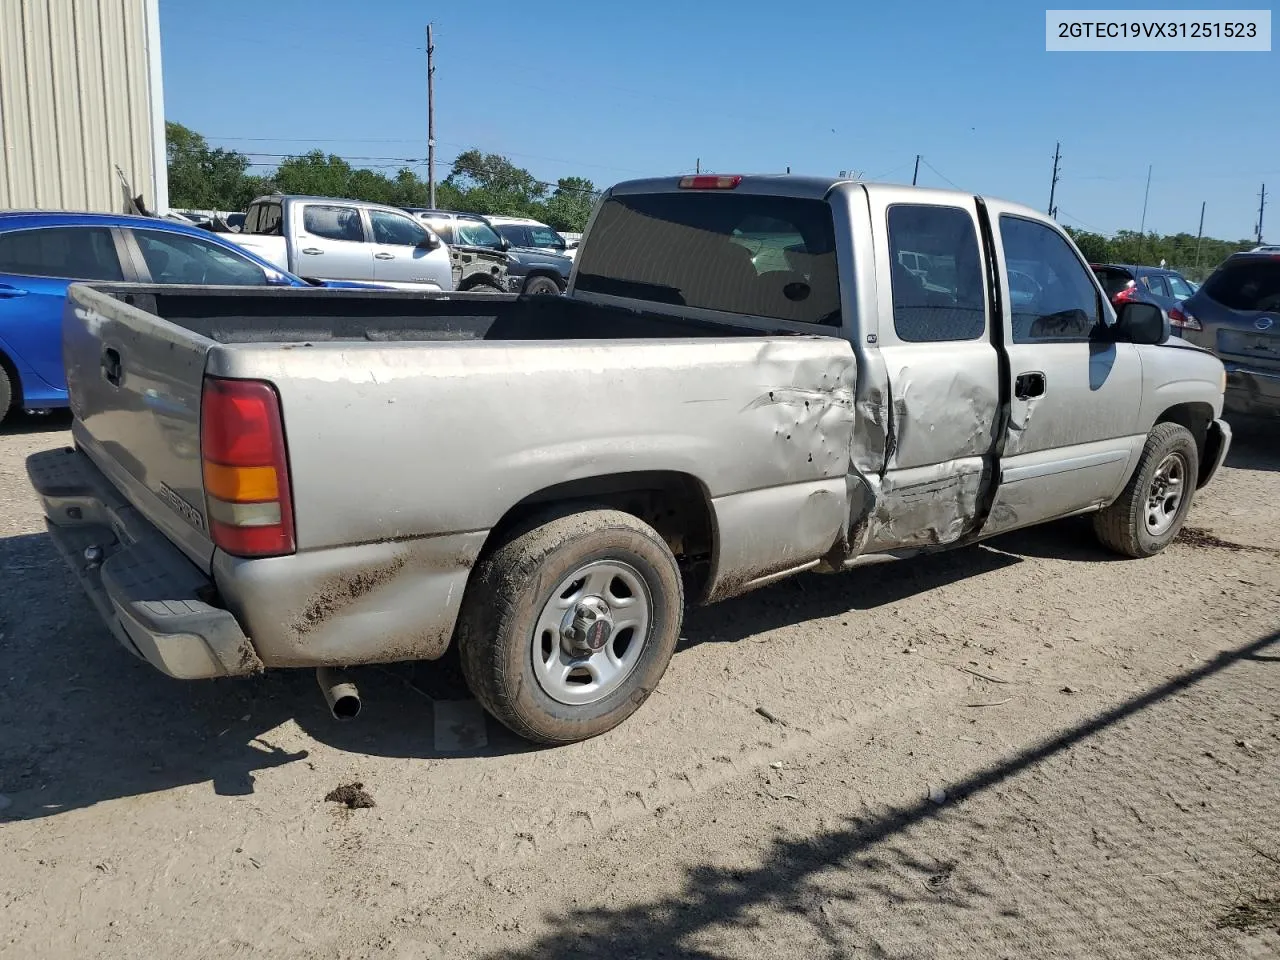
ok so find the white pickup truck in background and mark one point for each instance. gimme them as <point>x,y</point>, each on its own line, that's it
<point>328,239</point>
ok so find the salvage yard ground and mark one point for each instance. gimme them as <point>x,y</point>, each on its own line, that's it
<point>1023,749</point>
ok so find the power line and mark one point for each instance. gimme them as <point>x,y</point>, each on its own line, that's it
<point>940,173</point>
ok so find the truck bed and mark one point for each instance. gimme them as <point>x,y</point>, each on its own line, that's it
<point>240,315</point>
<point>416,425</point>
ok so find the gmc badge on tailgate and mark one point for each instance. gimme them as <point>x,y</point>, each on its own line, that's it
<point>184,509</point>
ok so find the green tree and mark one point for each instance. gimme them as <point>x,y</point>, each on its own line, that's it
<point>490,183</point>
<point>204,178</point>
<point>570,205</point>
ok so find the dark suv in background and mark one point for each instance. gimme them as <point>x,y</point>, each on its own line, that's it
<point>1236,314</point>
<point>1124,282</point>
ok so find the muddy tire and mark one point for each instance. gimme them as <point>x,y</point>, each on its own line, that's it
<point>541,285</point>
<point>1151,510</point>
<point>568,626</point>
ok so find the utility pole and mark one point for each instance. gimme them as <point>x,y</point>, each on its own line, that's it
<point>1142,227</point>
<point>1199,234</point>
<point>431,119</point>
<point>1053,184</point>
<point>697,165</point>
<point>915,176</point>
<point>1262,206</point>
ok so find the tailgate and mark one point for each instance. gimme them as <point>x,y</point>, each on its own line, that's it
<point>134,381</point>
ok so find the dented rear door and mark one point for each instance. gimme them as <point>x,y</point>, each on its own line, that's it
<point>943,369</point>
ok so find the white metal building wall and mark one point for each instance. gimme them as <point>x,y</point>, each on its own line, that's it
<point>80,94</point>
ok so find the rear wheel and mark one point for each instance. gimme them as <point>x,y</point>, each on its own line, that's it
<point>6,393</point>
<point>569,625</point>
<point>541,285</point>
<point>1151,510</point>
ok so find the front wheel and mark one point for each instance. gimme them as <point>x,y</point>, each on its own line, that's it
<point>542,285</point>
<point>568,626</point>
<point>1151,510</point>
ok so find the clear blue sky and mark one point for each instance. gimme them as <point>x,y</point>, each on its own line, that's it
<point>611,91</point>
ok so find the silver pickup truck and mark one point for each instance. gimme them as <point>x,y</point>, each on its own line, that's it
<point>744,382</point>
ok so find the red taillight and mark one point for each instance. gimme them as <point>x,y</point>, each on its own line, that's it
<point>1183,319</point>
<point>1129,293</point>
<point>709,181</point>
<point>246,468</point>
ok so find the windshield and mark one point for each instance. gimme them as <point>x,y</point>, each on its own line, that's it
<point>476,233</point>
<point>1250,285</point>
<point>763,256</point>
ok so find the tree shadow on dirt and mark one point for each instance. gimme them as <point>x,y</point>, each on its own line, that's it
<point>789,880</point>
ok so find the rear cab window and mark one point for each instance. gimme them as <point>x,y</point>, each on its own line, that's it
<point>1249,284</point>
<point>764,256</point>
<point>72,253</point>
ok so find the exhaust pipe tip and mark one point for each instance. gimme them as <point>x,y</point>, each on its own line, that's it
<point>339,693</point>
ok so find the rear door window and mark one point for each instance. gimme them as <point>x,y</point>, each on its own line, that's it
<point>764,256</point>
<point>1248,285</point>
<point>72,253</point>
<point>1155,283</point>
<point>545,237</point>
<point>936,274</point>
<point>1178,286</point>
<point>333,222</point>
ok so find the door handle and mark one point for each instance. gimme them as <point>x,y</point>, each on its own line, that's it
<point>384,256</point>
<point>313,251</point>
<point>8,292</point>
<point>111,369</point>
<point>1029,385</point>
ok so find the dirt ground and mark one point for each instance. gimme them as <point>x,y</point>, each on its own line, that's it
<point>1022,749</point>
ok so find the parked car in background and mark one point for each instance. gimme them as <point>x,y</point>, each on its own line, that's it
<point>528,271</point>
<point>41,254</point>
<point>525,234</point>
<point>477,264</point>
<point>1236,314</point>
<point>1127,282</point>
<point>346,240</point>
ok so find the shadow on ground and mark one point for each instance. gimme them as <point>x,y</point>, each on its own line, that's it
<point>790,877</point>
<point>83,721</point>
<point>1255,445</point>
<point>23,422</point>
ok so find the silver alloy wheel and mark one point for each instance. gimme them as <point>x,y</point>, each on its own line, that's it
<point>591,632</point>
<point>1165,494</point>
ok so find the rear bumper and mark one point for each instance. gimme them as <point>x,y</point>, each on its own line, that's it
<point>147,591</point>
<point>1252,391</point>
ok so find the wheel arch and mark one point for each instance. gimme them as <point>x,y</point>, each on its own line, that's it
<point>677,505</point>
<point>1196,416</point>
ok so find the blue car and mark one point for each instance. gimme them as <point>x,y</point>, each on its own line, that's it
<point>42,253</point>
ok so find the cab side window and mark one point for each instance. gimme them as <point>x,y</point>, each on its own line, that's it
<point>1052,294</point>
<point>333,222</point>
<point>935,274</point>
